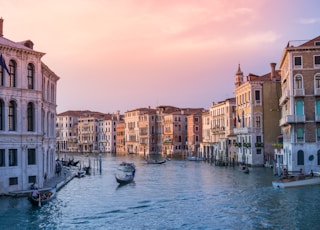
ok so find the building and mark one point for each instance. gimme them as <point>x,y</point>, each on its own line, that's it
<point>67,131</point>
<point>257,115</point>
<point>88,132</point>
<point>132,131</point>
<point>300,106</point>
<point>107,132</point>
<point>194,132</point>
<point>120,138</point>
<point>28,116</point>
<point>175,131</point>
<point>147,132</point>
<point>217,131</point>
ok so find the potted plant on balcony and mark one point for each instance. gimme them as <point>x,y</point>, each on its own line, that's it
<point>278,146</point>
<point>247,144</point>
<point>259,144</point>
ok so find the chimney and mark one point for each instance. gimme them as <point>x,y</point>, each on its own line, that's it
<point>1,27</point>
<point>273,71</point>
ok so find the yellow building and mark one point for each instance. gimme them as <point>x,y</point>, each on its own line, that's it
<point>257,116</point>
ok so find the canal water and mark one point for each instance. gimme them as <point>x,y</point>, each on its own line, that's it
<point>175,195</point>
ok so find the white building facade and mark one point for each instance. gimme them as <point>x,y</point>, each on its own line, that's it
<point>27,116</point>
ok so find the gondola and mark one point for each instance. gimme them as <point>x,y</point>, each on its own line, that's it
<point>127,167</point>
<point>244,169</point>
<point>151,161</point>
<point>124,179</point>
<point>45,197</point>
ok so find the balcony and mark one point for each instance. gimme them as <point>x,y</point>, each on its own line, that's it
<point>298,92</point>
<point>242,130</point>
<point>284,98</point>
<point>317,91</point>
<point>292,119</point>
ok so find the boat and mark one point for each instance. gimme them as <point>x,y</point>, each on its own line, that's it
<point>127,167</point>
<point>124,178</point>
<point>244,169</point>
<point>194,158</point>
<point>298,180</point>
<point>45,197</point>
<point>152,161</point>
<point>87,169</point>
<point>80,173</point>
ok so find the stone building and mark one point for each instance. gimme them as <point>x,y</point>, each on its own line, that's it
<point>27,116</point>
<point>300,106</point>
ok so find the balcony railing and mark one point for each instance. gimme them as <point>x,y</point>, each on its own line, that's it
<point>258,144</point>
<point>292,119</point>
<point>242,130</point>
<point>317,91</point>
<point>298,92</point>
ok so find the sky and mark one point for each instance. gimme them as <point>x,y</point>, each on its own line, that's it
<point>120,55</point>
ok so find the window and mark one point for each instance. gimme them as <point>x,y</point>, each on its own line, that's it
<point>317,61</point>
<point>13,180</point>
<point>318,133</point>
<point>257,96</point>
<point>297,62</point>
<point>2,158</point>
<point>258,122</point>
<point>299,107</point>
<point>318,107</point>
<point>259,151</point>
<point>13,158</point>
<point>300,157</point>
<point>1,115</point>
<point>30,117</point>
<point>300,134</point>
<point>298,82</point>
<point>32,179</point>
<point>31,156</point>
<point>12,71</point>
<point>1,76</point>
<point>12,116</point>
<point>258,139</point>
<point>30,76</point>
<point>317,82</point>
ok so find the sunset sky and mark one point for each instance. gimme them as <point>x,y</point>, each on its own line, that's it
<point>125,54</point>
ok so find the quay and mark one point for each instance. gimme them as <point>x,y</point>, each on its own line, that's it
<point>58,180</point>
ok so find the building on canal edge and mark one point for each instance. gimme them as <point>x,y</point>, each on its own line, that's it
<point>300,106</point>
<point>28,116</point>
<point>257,116</point>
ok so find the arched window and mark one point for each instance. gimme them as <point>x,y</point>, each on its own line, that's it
<point>1,115</point>
<point>30,76</point>
<point>30,117</point>
<point>12,116</point>
<point>298,82</point>
<point>300,157</point>
<point>12,70</point>
<point>1,76</point>
<point>317,81</point>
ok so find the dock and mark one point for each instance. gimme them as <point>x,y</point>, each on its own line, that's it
<point>59,181</point>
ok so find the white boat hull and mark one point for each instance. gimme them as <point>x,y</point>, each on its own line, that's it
<point>291,182</point>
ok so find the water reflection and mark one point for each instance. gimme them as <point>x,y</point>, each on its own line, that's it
<point>175,195</point>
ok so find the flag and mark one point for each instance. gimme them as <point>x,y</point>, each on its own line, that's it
<point>3,64</point>
<point>239,120</point>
